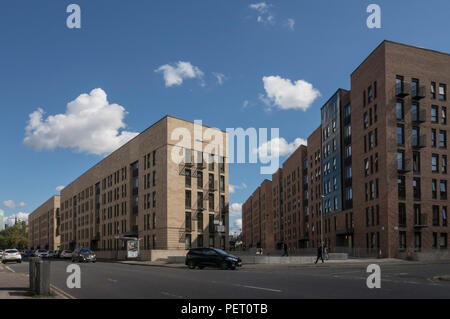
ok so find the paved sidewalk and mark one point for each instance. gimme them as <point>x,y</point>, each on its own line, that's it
<point>327,263</point>
<point>15,285</point>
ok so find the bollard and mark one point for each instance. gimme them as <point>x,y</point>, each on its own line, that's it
<point>39,272</point>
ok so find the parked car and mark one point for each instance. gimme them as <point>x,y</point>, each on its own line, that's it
<point>65,254</point>
<point>58,253</point>
<point>1,253</point>
<point>83,255</point>
<point>42,253</point>
<point>211,257</point>
<point>51,254</point>
<point>29,253</point>
<point>11,255</point>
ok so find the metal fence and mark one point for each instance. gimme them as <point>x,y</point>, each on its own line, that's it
<point>352,252</point>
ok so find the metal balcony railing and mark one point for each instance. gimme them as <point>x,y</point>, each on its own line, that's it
<point>419,142</point>
<point>419,116</point>
<point>418,93</point>
<point>402,89</point>
<point>420,221</point>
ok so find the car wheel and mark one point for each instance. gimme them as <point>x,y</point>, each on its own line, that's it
<point>201,267</point>
<point>191,264</point>
<point>233,267</point>
<point>19,261</point>
<point>224,265</point>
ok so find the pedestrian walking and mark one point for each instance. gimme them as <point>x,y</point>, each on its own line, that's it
<point>319,254</point>
<point>325,252</point>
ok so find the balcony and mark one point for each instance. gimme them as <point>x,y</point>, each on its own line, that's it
<point>418,93</point>
<point>420,221</point>
<point>404,166</point>
<point>419,116</point>
<point>419,142</point>
<point>402,89</point>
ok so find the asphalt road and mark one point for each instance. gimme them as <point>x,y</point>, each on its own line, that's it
<point>112,280</point>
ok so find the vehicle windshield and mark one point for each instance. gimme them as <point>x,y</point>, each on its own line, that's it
<point>11,251</point>
<point>86,251</point>
<point>42,251</point>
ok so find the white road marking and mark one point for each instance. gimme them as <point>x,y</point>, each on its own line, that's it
<point>259,288</point>
<point>11,270</point>
<point>112,280</point>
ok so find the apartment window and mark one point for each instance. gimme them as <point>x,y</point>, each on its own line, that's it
<point>415,111</point>
<point>443,115</point>
<point>442,139</point>
<point>416,188</point>
<point>415,136</point>
<point>433,90</point>
<point>371,140</point>
<point>399,84</point>
<point>443,189</point>
<point>370,94</point>
<point>443,242</point>
<point>211,201</point>
<point>444,164</point>
<point>400,135</point>
<point>211,181</point>
<point>364,98</point>
<point>187,178</point>
<point>188,221</point>
<point>400,111</point>
<point>376,162</point>
<point>442,92</point>
<point>375,113</point>
<point>401,187</point>
<point>402,240</point>
<point>200,200</point>
<point>222,183</point>
<point>154,178</point>
<point>366,120</point>
<point>188,241</point>
<point>444,216</point>
<point>199,241</point>
<point>435,163</point>
<point>367,217</point>
<point>433,137</point>
<point>154,158</point>
<point>366,166</point>
<point>416,162</point>
<point>435,215</point>
<point>417,241</point>
<point>433,189</point>
<point>414,87</point>
<point>199,180</point>
<point>400,160</point>
<point>211,162</point>
<point>434,113</point>
<point>187,199</point>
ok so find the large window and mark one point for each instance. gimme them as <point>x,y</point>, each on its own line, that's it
<point>416,188</point>
<point>400,134</point>
<point>188,221</point>
<point>442,139</point>
<point>443,189</point>
<point>401,215</point>
<point>442,92</point>
<point>435,163</point>
<point>416,162</point>
<point>188,199</point>
<point>401,187</point>
<point>200,222</point>
<point>434,113</point>
<point>435,215</point>
<point>399,110</point>
<point>433,189</point>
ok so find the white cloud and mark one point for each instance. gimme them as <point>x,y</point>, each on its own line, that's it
<point>236,210</point>
<point>12,204</point>
<point>233,188</point>
<point>287,95</point>
<point>238,223</point>
<point>20,217</point>
<point>290,23</point>
<point>220,78</point>
<point>269,149</point>
<point>265,16</point>
<point>174,75</point>
<point>60,188</point>
<point>90,125</point>
<point>245,104</point>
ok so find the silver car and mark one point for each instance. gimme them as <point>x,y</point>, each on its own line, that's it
<point>42,253</point>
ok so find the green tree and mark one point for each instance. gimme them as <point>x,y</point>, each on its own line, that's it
<point>14,236</point>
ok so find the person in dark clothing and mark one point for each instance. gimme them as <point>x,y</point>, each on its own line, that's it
<point>285,250</point>
<point>319,254</point>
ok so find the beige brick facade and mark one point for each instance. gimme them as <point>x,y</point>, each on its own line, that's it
<point>43,226</point>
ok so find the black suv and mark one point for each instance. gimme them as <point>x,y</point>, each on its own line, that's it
<point>83,255</point>
<point>211,257</point>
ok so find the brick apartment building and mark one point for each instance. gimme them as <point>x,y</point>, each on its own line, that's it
<point>257,216</point>
<point>376,174</point>
<point>141,190</point>
<point>44,226</point>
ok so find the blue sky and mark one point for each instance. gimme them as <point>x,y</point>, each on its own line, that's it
<point>43,64</point>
